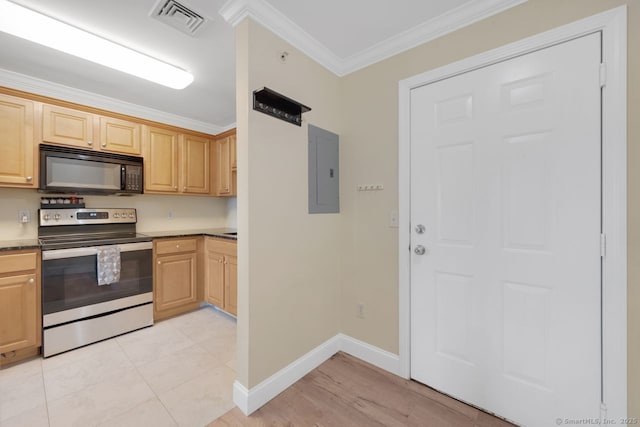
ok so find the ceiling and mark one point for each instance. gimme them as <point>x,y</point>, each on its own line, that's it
<point>342,35</point>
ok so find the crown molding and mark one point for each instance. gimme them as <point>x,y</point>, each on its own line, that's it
<point>37,86</point>
<point>234,11</point>
<point>462,16</point>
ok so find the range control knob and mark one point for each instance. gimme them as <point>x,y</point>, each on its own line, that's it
<point>57,217</point>
<point>123,215</point>
<point>131,215</point>
<point>116,215</point>
<point>46,217</point>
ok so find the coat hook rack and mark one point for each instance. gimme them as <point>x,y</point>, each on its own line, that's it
<point>270,102</point>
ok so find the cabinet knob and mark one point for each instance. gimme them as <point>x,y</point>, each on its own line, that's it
<point>104,144</point>
<point>29,178</point>
<point>32,280</point>
<point>89,142</point>
<point>175,188</point>
<point>177,246</point>
<point>220,260</point>
<point>184,188</point>
<point>159,262</point>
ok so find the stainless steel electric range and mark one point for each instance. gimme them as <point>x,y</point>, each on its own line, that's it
<point>96,276</point>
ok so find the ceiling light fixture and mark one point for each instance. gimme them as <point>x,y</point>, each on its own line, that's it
<point>27,24</point>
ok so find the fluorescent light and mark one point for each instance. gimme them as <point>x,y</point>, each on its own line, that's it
<point>27,24</point>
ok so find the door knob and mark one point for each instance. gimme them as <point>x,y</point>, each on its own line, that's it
<point>420,250</point>
<point>420,229</point>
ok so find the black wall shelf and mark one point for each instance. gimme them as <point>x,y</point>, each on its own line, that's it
<point>279,106</point>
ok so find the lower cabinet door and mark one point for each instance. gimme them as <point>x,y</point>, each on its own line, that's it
<point>176,285</point>
<point>231,284</point>
<point>19,314</point>
<point>214,274</point>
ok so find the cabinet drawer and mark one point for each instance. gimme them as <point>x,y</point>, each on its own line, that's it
<point>18,262</point>
<point>174,246</point>
<point>225,246</point>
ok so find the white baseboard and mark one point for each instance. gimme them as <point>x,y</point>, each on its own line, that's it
<point>371,354</point>
<point>241,397</point>
<point>248,401</point>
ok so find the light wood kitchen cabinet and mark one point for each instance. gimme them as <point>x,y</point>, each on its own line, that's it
<point>231,284</point>
<point>18,157</point>
<point>20,305</point>
<point>160,160</point>
<point>225,164</point>
<point>214,277</point>
<point>67,126</point>
<point>176,277</point>
<point>233,152</point>
<point>221,274</point>
<point>120,136</point>
<point>194,173</point>
<point>176,163</point>
<point>77,128</point>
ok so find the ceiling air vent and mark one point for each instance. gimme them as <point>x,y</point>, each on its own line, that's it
<point>179,16</point>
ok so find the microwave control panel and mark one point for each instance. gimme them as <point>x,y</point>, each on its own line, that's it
<point>132,178</point>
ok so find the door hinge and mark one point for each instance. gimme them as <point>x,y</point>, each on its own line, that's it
<point>603,245</point>
<point>603,74</point>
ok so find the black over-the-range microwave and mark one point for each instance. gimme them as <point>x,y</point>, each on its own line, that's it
<point>73,170</point>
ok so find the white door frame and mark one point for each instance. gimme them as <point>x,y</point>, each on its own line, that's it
<point>613,25</point>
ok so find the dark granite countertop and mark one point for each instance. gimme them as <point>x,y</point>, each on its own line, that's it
<point>211,232</point>
<point>14,245</point>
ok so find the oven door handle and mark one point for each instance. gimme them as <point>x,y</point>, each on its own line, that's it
<point>92,250</point>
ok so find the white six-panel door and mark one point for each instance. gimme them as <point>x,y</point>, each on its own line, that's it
<point>506,179</point>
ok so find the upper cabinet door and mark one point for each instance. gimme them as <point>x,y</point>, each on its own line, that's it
<point>160,160</point>
<point>223,166</point>
<point>67,126</point>
<point>120,136</point>
<point>194,164</point>
<point>17,146</point>
<point>232,150</point>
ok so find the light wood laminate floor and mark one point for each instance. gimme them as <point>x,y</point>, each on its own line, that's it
<point>345,391</point>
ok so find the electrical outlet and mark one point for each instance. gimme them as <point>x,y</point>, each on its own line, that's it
<point>24,217</point>
<point>169,215</point>
<point>360,312</point>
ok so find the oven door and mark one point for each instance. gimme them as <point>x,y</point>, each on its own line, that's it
<point>70,288</point>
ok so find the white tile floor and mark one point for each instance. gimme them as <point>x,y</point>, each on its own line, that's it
<point>179,372</point>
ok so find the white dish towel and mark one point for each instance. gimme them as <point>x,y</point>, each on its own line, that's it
<point>108,265</point>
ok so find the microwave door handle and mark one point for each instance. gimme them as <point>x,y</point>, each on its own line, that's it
<point>123,177</point>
